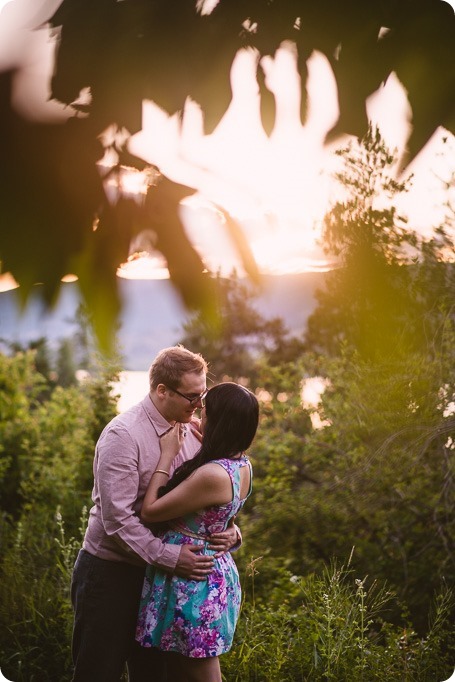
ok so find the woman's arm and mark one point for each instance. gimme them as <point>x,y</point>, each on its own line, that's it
<point>210,485</point>
<point>170,445</point>
<point>205,487</point>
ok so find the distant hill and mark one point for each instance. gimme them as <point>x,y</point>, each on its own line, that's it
<point>153,314</point>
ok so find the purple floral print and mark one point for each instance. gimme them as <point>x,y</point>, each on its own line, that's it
<point>196,619</point>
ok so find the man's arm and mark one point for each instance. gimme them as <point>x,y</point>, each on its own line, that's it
<point>228,540</point>
<point>118,484</point>
<point>117,478</point>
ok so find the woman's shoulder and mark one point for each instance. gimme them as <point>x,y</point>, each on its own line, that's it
<point>219,469</point>
<point>212,470</point>
<point>212,477</point>
<point>228,466</point>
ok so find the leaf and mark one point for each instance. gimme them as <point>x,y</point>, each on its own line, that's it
<point>242,246</point>
<point>186,268</point>
<point>50,191</point>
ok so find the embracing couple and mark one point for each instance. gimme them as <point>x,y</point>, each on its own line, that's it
<point>155,585</point>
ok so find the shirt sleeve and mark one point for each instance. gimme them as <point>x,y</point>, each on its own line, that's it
<point>117,475</point>
<point>239,542</point>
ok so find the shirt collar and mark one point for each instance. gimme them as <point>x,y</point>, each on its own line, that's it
<point>160,424</point>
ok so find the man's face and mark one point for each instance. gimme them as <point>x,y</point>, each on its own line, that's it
<point>176,407</point>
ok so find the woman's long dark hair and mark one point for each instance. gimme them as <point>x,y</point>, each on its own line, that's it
<point>232,415</point>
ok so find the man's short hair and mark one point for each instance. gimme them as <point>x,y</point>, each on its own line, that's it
<point>172,363</point>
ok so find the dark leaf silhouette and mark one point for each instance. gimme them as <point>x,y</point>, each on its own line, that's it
<point>50,192</point>
<point>184,263</point>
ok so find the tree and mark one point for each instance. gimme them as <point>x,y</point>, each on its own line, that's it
<point>243,340</point>
<point>376,477</point>
<point>65,365</point>
<point>46,473</point>
<point>47,439</point>
<point>369,300</point>
<point>42,359</point>
<point>124,52</point>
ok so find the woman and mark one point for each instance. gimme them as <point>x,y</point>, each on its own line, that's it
<point>196,620</point>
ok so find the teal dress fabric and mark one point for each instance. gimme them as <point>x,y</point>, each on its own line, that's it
<point>195,618</point>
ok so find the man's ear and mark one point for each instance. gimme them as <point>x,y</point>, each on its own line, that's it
<point>161,390</point>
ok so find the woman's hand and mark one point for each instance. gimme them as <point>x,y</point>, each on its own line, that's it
<point>195,426</point>
<point>171,442</point>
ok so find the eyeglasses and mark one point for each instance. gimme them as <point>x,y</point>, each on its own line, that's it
<point>192,400</point>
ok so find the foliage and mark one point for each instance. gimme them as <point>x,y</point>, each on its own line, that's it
<point>334,629</point>
<point>58,365</point>
<point>152,50</point>
<point>325,626</point>
<point>20,386</point>
<point>366,222</point>
<point>35,612</point>
<point>46,452</point>
<point>66,367</point>
<point>377,476</point>
<point>243,339</point>
<point>366,300</point>
<point>46,445</point>
<point>381,298</point>
<point>126,44</point>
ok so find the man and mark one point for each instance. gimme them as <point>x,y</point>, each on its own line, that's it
<point>109,571</point>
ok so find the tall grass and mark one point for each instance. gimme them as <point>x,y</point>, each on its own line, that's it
<point>35,608</point>
<point>334,628</point>
<point>325,627</point>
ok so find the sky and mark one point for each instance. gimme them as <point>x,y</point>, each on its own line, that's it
<point>278,188</point>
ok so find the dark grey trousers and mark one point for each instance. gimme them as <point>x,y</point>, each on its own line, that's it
<point>105,597</point>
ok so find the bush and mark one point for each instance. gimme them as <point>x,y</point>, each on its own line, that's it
<point>334,628</point>
<point>47,441</point>
<point>378,477</point>
<point>35,612</point>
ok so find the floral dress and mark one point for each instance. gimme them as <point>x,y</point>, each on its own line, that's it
<point>195,618</point>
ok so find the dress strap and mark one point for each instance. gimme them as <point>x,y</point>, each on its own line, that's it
<point>233,466</point>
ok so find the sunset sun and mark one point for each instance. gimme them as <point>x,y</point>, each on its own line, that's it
<point>277,188</point>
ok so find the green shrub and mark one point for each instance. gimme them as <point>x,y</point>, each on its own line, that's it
<point>335,630</point>
<point>35,612</point>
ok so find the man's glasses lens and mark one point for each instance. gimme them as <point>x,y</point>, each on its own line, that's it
<point>200,398</point>
<point>191,400</point>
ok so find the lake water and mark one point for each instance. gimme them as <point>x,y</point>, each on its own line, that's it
<point>132,387</point>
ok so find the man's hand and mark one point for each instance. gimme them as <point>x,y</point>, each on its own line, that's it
<point>223,542</point>
<point>193,566</point>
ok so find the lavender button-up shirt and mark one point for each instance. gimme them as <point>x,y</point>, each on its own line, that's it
<point>126,455</point>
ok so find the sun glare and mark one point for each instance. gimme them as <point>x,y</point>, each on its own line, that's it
<point>277,188</point>
<point>144,266</point>
<point>292,252</point>
<point>7,282</point>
